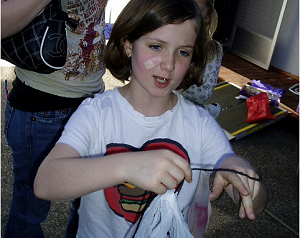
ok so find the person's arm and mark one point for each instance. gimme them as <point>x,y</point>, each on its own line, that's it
<point>16,14</point>
<point>251,193</point>
<point>64,175</point>
<point>201,94</point>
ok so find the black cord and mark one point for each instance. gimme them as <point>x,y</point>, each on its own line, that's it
<point>181,183</point>
<point>146,206</point>
<point>230,170</point>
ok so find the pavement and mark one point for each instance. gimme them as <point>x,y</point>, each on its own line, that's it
<point>274,151</point>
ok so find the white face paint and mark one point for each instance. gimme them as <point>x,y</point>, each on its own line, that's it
<point>149,64</point>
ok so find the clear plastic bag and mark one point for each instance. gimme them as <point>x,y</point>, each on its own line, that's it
<point>200,209</point>
<point>161,219</point>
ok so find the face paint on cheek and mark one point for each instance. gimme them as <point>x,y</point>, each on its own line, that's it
<point>149,64</point>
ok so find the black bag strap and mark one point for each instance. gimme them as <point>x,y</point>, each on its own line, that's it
<point>57,4</point>
<point>61,15</point>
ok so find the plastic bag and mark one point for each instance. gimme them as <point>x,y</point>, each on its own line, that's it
<point>259,108</point>
<point>268,88</point>
<point>161,219</point>
<point>200,209</point>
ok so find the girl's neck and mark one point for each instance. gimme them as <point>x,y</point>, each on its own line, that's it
<point>146,104</point>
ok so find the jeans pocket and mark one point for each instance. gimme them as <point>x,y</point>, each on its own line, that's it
<point>52,117</point>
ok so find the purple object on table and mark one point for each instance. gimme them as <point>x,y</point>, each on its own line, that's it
<point>268,88</point>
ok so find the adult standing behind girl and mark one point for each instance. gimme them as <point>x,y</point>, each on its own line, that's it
<point>209,79</point>
<point>122,146</point>
<point>39,105</point>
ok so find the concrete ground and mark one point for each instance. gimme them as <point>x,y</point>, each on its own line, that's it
<point>274,151</point>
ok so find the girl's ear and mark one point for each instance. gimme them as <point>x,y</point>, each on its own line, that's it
<point>128,48</point>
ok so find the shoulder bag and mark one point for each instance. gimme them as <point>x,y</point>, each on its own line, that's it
<point>42,45</point>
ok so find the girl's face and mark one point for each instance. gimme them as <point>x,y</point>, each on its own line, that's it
<point>161,58</point>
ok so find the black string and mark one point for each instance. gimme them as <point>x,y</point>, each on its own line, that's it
<point>230,170</point>
<point>181,183</point>
<point>146,206</point>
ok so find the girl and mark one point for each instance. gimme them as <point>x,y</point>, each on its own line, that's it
<point>123,147</point>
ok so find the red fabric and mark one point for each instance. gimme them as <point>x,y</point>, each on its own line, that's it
<point>259,108</point>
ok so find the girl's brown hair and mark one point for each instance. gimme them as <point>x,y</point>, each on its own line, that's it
<point>211,26</point>
<point>141,17</point>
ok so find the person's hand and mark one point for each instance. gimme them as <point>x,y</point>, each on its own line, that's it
<point>156,170</point>
<point>249,192</point>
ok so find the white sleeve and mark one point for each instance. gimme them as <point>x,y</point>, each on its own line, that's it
<point>215,144</point>
<point>81,130</point>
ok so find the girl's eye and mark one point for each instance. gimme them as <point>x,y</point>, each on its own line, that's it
<point>184,53</point>
<point>155,47</point>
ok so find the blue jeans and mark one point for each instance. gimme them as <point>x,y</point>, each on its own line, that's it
<point>31,136</point>
<point>73,220</point>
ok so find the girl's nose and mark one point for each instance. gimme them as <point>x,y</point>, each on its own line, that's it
<point>168,62</point>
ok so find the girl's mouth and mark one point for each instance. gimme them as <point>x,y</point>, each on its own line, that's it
<point>160,80</point>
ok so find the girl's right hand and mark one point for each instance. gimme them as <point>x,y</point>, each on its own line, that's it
<point>156,170</point>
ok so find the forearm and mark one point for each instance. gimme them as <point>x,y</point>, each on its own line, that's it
<point>64,175</point>
<point>15,15</point>
<point>68,178</point>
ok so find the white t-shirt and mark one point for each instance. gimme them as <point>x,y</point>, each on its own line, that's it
<point>108,124</point>
<point>82,74</point>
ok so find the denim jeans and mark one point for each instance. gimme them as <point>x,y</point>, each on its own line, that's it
<point>31,136</point>
<point>73,220</point>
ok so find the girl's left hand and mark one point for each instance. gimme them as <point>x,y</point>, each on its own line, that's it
<point>251,193</point>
